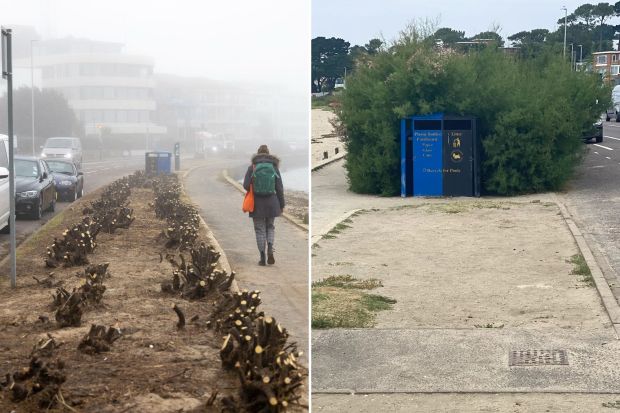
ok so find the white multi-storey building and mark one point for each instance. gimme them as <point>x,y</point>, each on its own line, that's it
<point>109,90</point>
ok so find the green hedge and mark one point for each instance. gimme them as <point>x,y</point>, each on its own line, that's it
<point>531,113</point>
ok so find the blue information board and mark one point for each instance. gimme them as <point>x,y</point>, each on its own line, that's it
<point>439,156</point>
<point>427,163</point>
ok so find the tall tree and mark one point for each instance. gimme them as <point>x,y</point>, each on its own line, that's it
<point>586,14</point>
<point>529,37</point>
<point>373,46</point>
<point>530,42</point>
<point>329,59</point>
<point>54,117</point>
<point>449,36</point>
<point>602,12</point>
<point>493,36</point>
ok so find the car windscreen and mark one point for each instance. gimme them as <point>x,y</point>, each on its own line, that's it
<point>58,143</point>
<point>27,168</point>
<point>60,167</point>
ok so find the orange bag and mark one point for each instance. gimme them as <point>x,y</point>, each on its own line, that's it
<point>248,201</point>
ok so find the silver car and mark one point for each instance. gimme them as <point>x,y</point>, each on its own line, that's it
<point>63,147</point>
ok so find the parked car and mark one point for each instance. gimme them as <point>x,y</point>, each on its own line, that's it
<point>614,110</point>
<point>594,133</point>
<point>4,183</point>
<point>35,191</point>
<point>63,148</point>
<point>68,180</point>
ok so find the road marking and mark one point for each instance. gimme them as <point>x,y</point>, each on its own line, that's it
<point>611,137</point>
<point>604,147</point>
<point>598,166</point>
<point>596,152</point>
<point>607,157</point>
<point>612,126</point>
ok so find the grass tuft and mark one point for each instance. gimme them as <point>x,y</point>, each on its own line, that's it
<point>580,267</point>
<point>339,301</point>
<point>348,282</point>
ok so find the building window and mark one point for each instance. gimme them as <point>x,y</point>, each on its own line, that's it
<point>615,70</point>
<point>614,57</point>
<point>121,116</point>
<point>601,60</point>
<point>109,116</point>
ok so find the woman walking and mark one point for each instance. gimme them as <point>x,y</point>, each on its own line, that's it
<point>264,176</point>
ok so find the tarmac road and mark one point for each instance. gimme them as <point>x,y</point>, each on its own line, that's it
<point>594,199</point>
<point>96,175</point>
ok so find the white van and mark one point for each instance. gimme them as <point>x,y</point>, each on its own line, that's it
<point>4,182</point>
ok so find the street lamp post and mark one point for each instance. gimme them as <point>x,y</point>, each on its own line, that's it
<point>32,89</point>
<point>565,14</point>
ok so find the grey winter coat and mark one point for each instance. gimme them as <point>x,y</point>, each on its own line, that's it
<point>271,205</point>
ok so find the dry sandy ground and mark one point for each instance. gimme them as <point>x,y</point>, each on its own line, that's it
<point>459,264</point>
<point>323,139</point>
<point>459,403</point>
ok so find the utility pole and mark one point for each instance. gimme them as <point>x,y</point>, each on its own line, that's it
<point>32,90</point>
<point>565,14</point>
<point>571,56</point>
<point>7,73</point>
<point>580,53</point>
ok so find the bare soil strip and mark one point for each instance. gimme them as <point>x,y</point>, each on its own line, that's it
<point>155,365</point>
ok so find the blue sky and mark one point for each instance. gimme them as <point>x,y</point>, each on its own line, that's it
<point>357,21</point>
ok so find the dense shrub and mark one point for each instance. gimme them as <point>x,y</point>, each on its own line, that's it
<point>531,112</point>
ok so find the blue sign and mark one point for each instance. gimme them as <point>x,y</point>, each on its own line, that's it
<point>427,163</point>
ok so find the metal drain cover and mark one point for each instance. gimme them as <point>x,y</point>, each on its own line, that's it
<point>538,358</point>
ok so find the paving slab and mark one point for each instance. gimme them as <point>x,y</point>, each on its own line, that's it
<point>461,360</point>
<point>459,403</point>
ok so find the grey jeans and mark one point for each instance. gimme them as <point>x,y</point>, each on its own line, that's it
<point>265,232</point>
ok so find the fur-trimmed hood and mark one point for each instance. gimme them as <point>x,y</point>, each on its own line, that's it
<point>265,157</point>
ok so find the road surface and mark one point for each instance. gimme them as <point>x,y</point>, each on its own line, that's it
<point>594,197</point>
<point>96,175</point>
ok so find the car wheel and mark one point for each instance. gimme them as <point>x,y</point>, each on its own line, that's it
<point>38,213</point>
<point>81,194</point>
<point>599,139</point>
<point>607,119</point>
<point>74,196</point>
<point>52,206</point>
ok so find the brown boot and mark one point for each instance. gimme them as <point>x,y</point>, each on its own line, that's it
<point>270,259</point>
<point>262,259</point>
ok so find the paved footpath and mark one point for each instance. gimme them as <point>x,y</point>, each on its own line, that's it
<point>283,286</point>
<point>375,364</point>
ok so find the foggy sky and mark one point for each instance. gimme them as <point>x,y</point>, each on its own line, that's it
<point>247,40</point>
<point>358,21</point>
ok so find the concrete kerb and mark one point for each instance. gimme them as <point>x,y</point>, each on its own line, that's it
<point>317,237</point>
<point>328,161</point>
<point>223,261</point>
<point>286,215</point>
<point>607,296</point>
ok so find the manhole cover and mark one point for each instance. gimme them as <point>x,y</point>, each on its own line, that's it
<point>538,358</point>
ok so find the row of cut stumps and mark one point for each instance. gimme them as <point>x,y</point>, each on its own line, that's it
<point>255,347</point>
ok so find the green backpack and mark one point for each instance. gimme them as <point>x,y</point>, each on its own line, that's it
<point>264,179</point>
